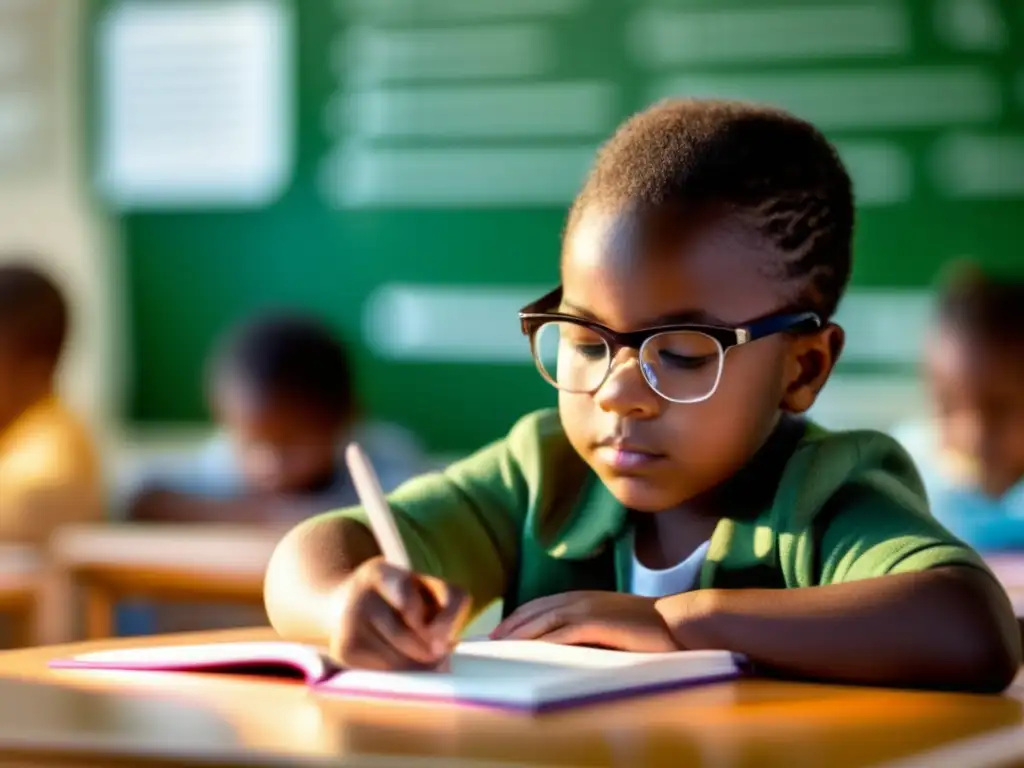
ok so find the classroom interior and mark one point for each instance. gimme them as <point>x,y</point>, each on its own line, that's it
<point>399,171</point>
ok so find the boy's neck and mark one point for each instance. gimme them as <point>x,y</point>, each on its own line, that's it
<point>666,538</point>
<point>751,490</point>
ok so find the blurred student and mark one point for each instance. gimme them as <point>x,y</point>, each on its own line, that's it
<point>282,392</point>
<point>49,468</point>
<point>972,455</point>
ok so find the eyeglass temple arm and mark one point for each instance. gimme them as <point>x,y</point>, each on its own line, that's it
<point>541,305</point>
<point>771,325</point>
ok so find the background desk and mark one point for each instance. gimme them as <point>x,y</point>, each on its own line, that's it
<point>201,563</point>
<point>751,722</point>
<point>20,587</point>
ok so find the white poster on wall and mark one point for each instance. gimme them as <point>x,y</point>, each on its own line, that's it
<point>196,103</point>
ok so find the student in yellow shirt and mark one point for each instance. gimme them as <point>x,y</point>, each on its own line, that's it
<point>49,470</point>
<point>677,499</point>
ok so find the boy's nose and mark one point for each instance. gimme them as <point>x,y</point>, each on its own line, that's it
<point>626,392</point>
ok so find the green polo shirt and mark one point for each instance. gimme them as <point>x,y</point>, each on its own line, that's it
<point>526,517</point>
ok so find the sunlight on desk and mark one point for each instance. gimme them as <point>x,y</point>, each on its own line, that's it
<point>750,722</point>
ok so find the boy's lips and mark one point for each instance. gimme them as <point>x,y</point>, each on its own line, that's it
<point>624,455</point>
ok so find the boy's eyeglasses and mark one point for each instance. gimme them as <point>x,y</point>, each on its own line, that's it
<point>681,362</point>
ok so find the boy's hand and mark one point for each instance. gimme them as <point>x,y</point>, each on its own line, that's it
<point>605,619</point>
<point>388,618</point>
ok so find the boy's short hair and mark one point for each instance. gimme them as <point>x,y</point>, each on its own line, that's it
<point>33,311</point>
<point>291,356</point>
<point>772,170</point>
<point>985,305</point>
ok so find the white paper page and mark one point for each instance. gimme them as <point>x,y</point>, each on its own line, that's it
<point>529,674</point>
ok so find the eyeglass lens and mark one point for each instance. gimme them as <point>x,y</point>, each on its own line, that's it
<point>682,366</point>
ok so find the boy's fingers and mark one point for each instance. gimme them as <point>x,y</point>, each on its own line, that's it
<point>405,594</point>
<point>579,634</point>
<point>453,606</point>
<point>427,606</point>
<point>391,626</point>
<point>536,627</point>
<point>528,613</point>
<point>373,651</point>
<point>366,648</point>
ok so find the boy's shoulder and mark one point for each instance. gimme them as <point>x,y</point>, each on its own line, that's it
<point>538,444</point>
<point>537,425</point>
<point>533,436</point>
<point>825,463</point>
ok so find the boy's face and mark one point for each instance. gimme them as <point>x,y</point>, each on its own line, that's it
<point>629,273</point>
<point>282,447</point>
<point>978,392</point>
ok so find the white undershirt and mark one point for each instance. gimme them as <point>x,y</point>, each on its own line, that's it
<point>670,581</point>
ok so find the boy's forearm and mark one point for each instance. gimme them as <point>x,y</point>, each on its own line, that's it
<point>946,628</point>
<point>306,571</point>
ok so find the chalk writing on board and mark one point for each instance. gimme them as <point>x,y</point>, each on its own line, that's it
<point>471,111</point>
<point>435,99</point>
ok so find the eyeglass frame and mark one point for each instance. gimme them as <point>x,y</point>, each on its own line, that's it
<point>532,318</point>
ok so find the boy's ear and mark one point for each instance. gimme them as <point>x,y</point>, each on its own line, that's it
<point>811,360</point>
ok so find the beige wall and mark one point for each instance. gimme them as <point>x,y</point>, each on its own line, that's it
<point>45,207</point>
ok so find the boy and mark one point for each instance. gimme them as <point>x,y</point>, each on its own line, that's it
<point>676,499</point>
<point>49,470</point>
<point>282,390</point>
<point>973,462</point>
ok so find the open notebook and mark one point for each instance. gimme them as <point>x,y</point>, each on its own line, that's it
<point>510,674</point>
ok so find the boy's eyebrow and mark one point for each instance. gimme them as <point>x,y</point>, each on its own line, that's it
<point>682,317</point>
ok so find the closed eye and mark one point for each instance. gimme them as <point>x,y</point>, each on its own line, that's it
<point>672,360</point>
<point>590,351</point>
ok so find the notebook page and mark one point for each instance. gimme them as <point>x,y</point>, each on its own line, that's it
<point>532,674</point>
<point>572,656</point>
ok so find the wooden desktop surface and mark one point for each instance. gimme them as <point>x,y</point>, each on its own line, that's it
<point>235,720</point>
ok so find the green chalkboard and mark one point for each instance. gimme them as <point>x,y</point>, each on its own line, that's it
<point>437,144</point>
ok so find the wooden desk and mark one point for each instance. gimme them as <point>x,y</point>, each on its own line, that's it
<point>745,723</point>
<point>200,563</point>
<point>20,585</point>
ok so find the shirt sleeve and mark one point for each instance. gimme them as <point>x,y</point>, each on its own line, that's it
<point>464,524</point>
<point>877,526</point>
